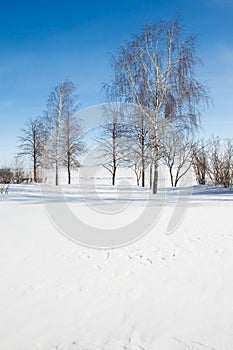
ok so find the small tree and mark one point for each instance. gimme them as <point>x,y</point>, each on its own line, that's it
<point>227,169</point>
<point>200,161</point>
<point>137,151</point>
<point>112,141</point>
<point>71,144</point>
<point>112,154</point>
<point>62,102</point>
<point>6,175</point>
<point>137,140</point>
<point>221,161</point>
<point>32,142</point>
<point>176,153</point>
<point>18,168</point>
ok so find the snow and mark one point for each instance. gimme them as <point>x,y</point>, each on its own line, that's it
<point>162,292</point>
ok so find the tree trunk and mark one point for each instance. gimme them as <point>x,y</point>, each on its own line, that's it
<point>56,170</point>
<point>69,176</point>
<point>35,170</point>
<point>177,177</point>
<point>143,174</point>
<point>151,174</point>
<point>58,137</point>
<point>171,177</point>
<point>143,158</point>
<point>156,162</point>
<point>114,176</point>
<point>114,154</point>
<point>34,157</point>
<point>57,154</point>
<point>156,176</point>
<point>69,168</point>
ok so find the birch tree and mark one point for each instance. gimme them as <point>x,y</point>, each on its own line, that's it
<point>71,143</point>
<point>155,70</point>
<point>32,141</point>
<point>61,103</point>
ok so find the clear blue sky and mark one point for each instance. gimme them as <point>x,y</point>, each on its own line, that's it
<point>45,42</point>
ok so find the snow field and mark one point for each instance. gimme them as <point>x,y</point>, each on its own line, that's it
<point>163,292</point>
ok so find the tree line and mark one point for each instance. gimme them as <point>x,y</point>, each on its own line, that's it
<point>180,151</point>
<point>55,138</point>
<point>156,72</point>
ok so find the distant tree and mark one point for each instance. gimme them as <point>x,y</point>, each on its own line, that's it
<point>176,153</point>
<point>221,161</point>
<point>156,71</point>
<point>71,143</point>
<point>137,143</point>
<point>200,161</point>
<point>228,163</point>
<point>62,102</point>
<point>137,151</point>
<point>18,169</point>
<point>6,175</point>
<point>215,161</point>
<point>32,142</point>
<point>112,143</point>
<point>138,171</point>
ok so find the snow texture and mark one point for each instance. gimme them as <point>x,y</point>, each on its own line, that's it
<point>163,292</point>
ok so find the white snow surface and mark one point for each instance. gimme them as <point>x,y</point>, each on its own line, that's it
<point>162,292</point>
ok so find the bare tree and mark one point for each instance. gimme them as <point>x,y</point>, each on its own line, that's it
<point>61,103</point>
<point>200,161</point>
<point>71,144</point>
<point>176,153</point>
<point>137,151</point>
<point>32,142</point>
<point>155,70</point>
<point>6,176</point>
<point>221,161</point>
<point>228,163</point>
<point>112,142</point>
<point>18,169</point>
<point>138,143</point>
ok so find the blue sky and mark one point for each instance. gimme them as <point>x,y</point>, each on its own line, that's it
<point>45,42</point>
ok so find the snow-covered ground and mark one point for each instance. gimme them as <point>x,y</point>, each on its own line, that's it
<point>162,292</point>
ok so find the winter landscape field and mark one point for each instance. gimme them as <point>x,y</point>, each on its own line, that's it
<point>161,292</point>
<point>116,175</point>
